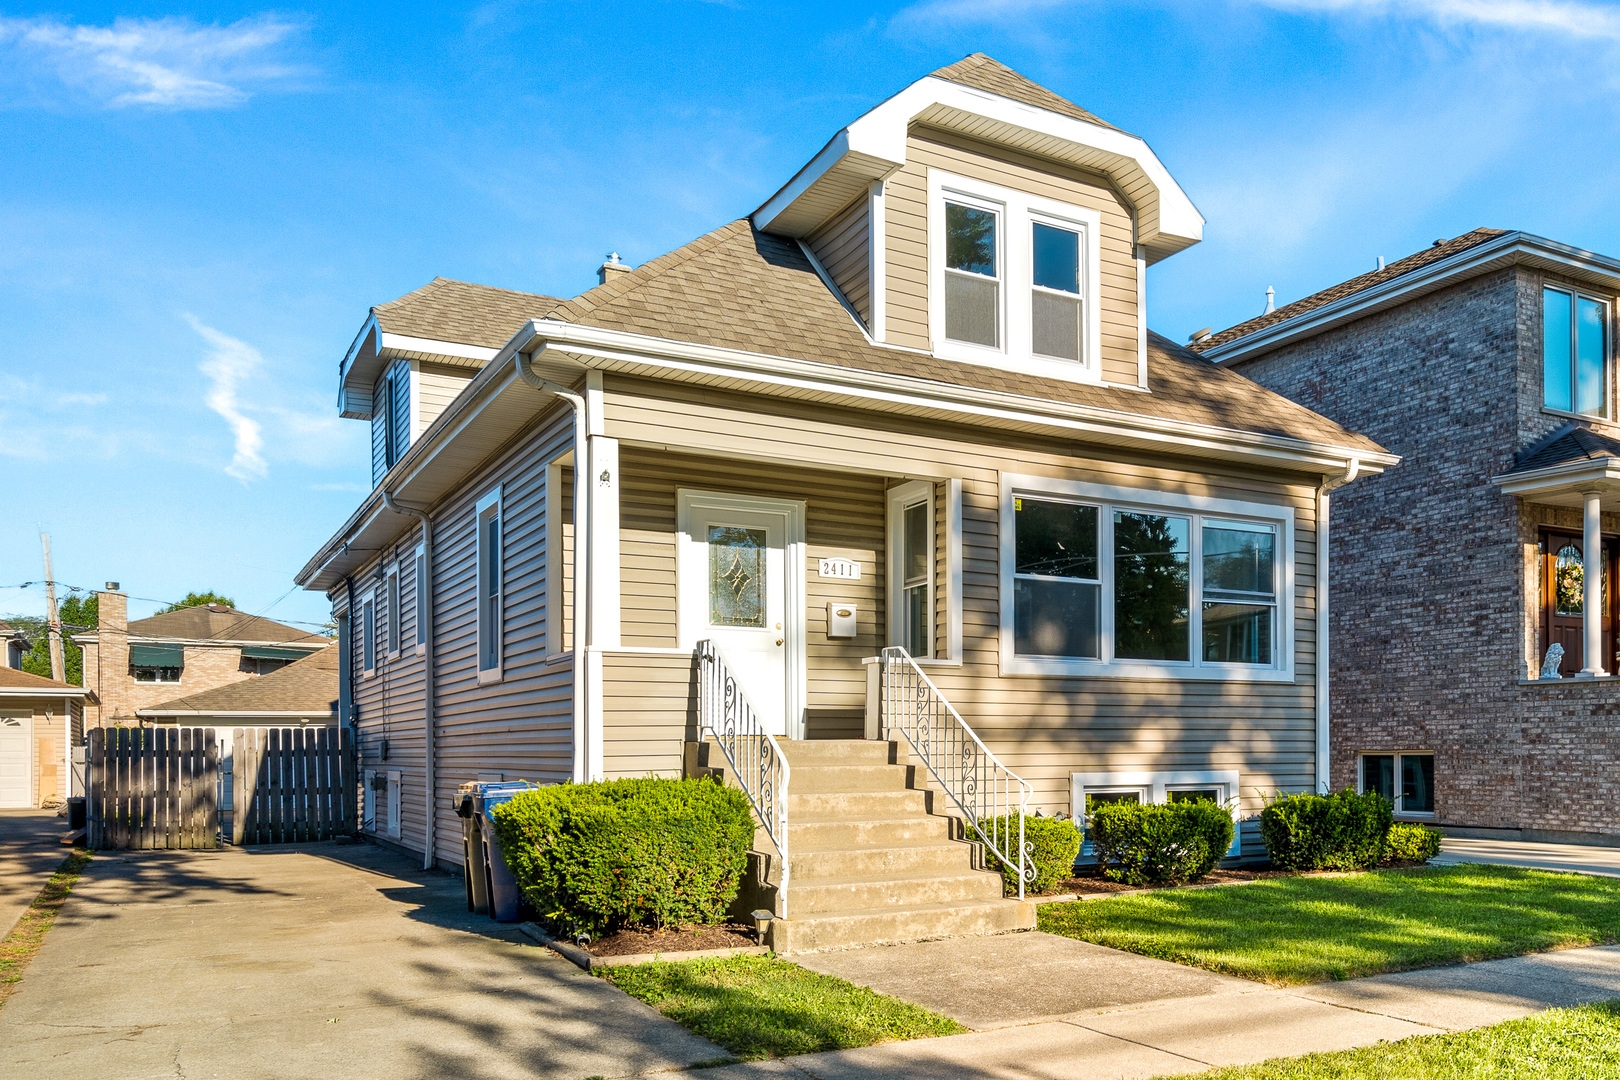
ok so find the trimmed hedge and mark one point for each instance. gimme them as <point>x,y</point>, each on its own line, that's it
<point>642,852</point>
<point>1326,832</point>
<point>1054,845</point>
<point>1410,842</point>
<point>1152,844</point>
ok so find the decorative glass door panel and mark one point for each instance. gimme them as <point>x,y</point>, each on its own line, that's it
<point>1563,601</point>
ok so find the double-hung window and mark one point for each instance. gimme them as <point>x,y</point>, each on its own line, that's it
<point>911,567</point>
<point>1575,352</point>
<point>490,584</point>
<point>1013,279</point>
<point>1112,581</point>
<point>1406,780</point>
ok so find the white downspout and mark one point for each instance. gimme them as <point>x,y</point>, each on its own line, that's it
<point>582,548</point>
<point>424,614</point>
<point>1324,775</point>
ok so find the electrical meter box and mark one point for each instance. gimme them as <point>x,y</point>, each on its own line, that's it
<point>840,620</point>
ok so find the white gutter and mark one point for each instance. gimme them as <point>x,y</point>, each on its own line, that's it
<point>41,691</point>
<point>582,549</point>
<point>424,611</point>
<point>1324,701</point>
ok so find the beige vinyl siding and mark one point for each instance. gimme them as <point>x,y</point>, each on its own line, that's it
<point>1044,727</point>
<point>843,519</point>
<point>521,726</point>
<point>906,237</point>
<point>436,385</point>
<point>649,706</point>
<point>843,246</point>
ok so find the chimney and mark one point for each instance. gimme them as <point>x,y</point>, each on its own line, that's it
<point>1271,300</point>
<point>106,660</point>
<point>611,269</point>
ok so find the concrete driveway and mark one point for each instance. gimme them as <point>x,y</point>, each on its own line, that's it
<point>318,961</point>
<point>29,855</point>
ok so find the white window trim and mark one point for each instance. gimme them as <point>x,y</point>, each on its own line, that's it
<point>393,639</point>
<point>1155,788</point>
<point>419,570</point>
<point>1417,815</point>
<point>1281,669</point>
<point>900,498</point>
<point>368,634</point>
<point>1576,296</point>
<point>490,501</point>
<point>1016,210</point>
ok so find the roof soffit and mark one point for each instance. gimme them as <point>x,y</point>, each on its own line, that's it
<point>874,146</point>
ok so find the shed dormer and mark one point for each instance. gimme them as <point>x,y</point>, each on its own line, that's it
<point>980,217</point>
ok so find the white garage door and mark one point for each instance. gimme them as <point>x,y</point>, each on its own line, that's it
<point>14,785</point>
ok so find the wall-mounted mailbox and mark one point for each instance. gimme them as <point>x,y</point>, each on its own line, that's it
<point>840,620</point>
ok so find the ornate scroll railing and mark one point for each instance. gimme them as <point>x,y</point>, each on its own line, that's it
<point>755,757</point>
<point>989,795</point>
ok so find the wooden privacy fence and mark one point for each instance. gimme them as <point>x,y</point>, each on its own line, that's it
<point>152,788</point>
<point>292,785</point>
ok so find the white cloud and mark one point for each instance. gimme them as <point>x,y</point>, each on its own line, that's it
<point>229,363</point>
<point>1599,21</point>
<point>156,63</point>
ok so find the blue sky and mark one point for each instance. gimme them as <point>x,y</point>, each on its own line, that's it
<point>199,203</point>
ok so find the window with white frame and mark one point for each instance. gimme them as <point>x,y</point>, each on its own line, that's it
<point>422,606</point>
<point>1114,581</point>
<point>392,612</point>
<point>1406,780</point>
<point>488,524</point>
<point>1013,280</point>
<point>1220,786</point>
<point>368,634</point>
<point>1575,352</point>
<point>911,567</point>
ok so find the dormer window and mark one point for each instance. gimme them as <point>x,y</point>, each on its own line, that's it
<point>1012,279</point>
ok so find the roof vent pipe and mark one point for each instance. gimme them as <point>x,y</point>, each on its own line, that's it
<point>1380,262</point>
<point>1199,335</point>
<point>611,269</point>
<point>1271,300</point>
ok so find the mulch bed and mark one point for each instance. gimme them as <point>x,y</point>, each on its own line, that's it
<point>1095,885</point>
<point>630,942</point>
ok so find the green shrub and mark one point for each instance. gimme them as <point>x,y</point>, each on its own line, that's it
<point>1146,844</point>
<point>1054,844</point>
<point>1409,842</point>
<point>644,852</point>
<point>1326,832</point>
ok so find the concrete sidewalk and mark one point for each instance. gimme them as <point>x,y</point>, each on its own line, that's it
<point>1572,857</point>
<point>1191,1035</point>
<point>29,855</point>
<point>322,961</point>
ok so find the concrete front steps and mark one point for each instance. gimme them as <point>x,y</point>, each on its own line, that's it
<point>872,861</point>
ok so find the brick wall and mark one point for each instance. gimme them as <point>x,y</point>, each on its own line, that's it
<point>1431,563</point>
<point>118,695</point>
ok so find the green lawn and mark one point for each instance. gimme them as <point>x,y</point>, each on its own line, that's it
<point>1561,1044</point>
<point>762,1007</point>
<point>1287,931</point>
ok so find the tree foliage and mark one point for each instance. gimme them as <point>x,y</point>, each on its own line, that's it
<point>198,599</point>
<point>79,615</point>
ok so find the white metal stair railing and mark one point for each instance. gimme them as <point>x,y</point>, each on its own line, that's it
<point>755,757</point>
<point>988,794</point>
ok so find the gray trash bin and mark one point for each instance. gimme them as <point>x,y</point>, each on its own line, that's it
<point>472,849</point>
<point>505,899</point>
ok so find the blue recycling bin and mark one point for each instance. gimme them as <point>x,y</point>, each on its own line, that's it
<point>505,898</point>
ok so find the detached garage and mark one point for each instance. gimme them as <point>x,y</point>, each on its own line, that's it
<point>40,722</point>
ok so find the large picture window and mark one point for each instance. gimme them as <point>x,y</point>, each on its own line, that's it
<point>1099,581</point>
<point>1575,352</point>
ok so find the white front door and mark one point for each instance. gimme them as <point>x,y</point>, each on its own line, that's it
<point>736,588</point>
<point>15,789</point>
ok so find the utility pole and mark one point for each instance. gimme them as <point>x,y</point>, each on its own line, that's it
<point>53,622</point>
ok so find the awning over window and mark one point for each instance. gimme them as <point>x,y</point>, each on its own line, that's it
<point>157,656</point>
<point>272,652</point>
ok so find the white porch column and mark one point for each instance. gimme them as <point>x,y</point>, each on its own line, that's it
<point>1592,602</point>
<point>603,537</point>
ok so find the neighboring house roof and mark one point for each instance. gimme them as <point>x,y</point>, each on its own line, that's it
<point>1571,444</point>
<point>984,73</point>
<point>459,311</point>
<point>1355,285</point>
<point>216,622</point>
<point>308,687</point>
<point>739,288</point>
<point>13,681</point>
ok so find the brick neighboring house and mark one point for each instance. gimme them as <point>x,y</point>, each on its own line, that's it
<point>131,666</point>
<point>1487,363</point>
<point>303,692</point>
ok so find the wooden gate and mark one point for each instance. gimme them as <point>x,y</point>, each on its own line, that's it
<point>292,785</point>
<point>152,788</point>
